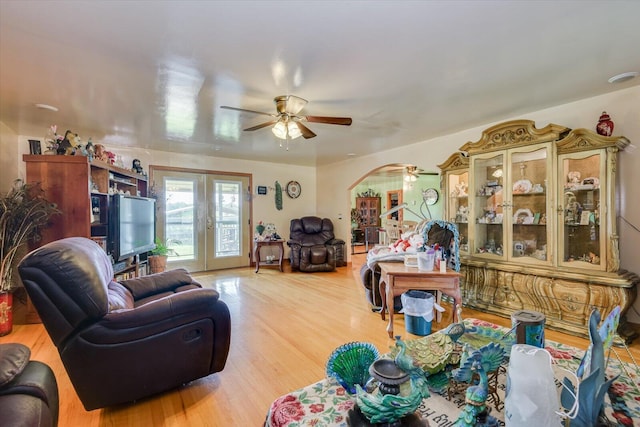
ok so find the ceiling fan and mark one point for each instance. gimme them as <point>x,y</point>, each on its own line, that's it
<point>287,122</point>
<point>413,172</point>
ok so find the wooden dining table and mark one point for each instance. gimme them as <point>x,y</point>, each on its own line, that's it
<point>397,278</point>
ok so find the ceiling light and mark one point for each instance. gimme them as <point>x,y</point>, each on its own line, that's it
<point>47,107</point>
<point>279,130</point>
<point>294,130</point>
<point>619,78</point>
<point>286,130</point>
<point>410,178</point>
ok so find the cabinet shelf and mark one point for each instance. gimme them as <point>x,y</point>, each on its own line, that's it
<point>561,265</point>
<point>85,209</point>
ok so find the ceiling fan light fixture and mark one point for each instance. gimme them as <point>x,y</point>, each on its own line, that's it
<point>279,130</point>
<point>294,130</point>
<point>410,178</point>
<point>286,130</point>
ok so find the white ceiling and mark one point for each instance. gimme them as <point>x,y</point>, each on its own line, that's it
<point>154,74</point>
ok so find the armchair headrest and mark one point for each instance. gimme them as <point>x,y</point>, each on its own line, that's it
<point>312,229</point>
<point>67,281</point>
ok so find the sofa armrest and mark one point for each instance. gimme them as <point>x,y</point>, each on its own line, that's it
<point>336,242</point>
<point>37,380</point>
<point>166,281</point>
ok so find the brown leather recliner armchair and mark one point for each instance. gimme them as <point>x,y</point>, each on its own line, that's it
<point>314,246</point>
<point>120,342</point>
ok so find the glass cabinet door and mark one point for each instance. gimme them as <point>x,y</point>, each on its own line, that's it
<point>528,206</point>
<point>580,201</point>
<point>488,208</point>
<point>458,205</point>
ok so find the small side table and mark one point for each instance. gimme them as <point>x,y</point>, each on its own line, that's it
<point>259,244</point>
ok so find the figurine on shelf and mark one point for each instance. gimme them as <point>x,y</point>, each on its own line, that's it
<point>66,147</point>
<point>137,167</point>
<point>101,153</point>
<point>90,149</point>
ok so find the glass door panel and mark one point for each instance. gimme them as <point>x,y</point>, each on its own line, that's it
<point>582,210</point>
<point>204,218</point>
<point>227,227</point>
<point>529,206</point>
<point>458,205</point>
<point>488,175</point>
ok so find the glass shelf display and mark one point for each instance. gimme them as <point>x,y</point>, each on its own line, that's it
<point>580,215</point>
<point>540,214</point>
<point>455,184</point>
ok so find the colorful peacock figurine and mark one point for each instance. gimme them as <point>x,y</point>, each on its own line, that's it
<point>380,406</point>
<point>475,412</point>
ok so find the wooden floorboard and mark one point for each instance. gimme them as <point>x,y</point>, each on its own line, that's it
<point>284,327</point>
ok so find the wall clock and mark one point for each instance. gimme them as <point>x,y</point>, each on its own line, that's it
<point>293,189</point>
<point>430,196</point>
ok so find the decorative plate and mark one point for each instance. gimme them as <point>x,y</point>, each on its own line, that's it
<point>523,216</point>
<point>522,186</point>
<point>293,189</point>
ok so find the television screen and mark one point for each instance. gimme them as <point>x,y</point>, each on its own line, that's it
<point>133,226</point>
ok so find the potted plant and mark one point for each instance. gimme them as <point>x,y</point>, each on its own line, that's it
<point>159,255</point>
<point>24,211</point>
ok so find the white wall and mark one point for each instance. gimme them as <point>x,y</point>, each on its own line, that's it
<point>624,108</point>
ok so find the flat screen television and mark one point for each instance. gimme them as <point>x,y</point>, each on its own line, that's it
<point>132,226</point>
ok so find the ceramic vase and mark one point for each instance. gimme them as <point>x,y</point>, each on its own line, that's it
<point>605,125</point>
<point>531,397</point>
<point>6,313</point>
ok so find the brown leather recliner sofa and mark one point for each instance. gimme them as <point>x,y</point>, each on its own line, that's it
<point>121,342</point>
<point>28,389</point>
<point>314,246</point>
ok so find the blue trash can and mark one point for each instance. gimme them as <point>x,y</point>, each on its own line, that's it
<point>417,307</point>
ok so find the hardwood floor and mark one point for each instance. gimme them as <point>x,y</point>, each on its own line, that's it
<point>284,327</point>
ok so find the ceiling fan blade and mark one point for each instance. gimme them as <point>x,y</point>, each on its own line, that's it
<point>345,121</point>
<point>226,107</point>
<point>262,125</point>
<point>306,132</point>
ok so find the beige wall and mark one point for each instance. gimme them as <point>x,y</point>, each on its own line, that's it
<point>13,147</point>
<point>326,191</point>
<point>10,160</point>
<point>624,108</point>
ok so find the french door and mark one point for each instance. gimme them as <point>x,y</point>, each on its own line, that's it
<point>204,217</point>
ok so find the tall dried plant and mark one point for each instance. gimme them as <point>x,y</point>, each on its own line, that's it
<point>24,211</point>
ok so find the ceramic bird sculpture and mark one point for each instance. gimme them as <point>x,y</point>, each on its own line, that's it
<point>490,357</point>
<point>388,408</point>
<point>416,375</point>
<point>434,352</point>
<point>475,398</point>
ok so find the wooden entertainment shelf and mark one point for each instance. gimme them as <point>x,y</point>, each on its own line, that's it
<point>81,190</point>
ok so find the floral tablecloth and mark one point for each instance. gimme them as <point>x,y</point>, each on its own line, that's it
<point>326,403</point>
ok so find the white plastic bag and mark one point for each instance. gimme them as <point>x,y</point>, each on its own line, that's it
<point>419,304</point>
